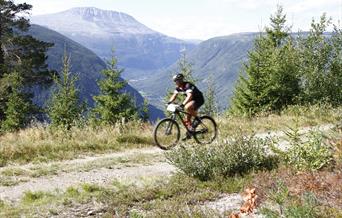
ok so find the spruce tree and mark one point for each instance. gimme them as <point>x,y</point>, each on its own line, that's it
<point>334,78</point>
<point>272,80</point>
<point>210,105</point>
<point>185,68</point>
<point>112,104</point>
<point>320,61</point>
<point>144,113</point>
<point>65,108</point>
<point>17,108</point>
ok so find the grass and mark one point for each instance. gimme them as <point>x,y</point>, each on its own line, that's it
<point>160,197</point>
<point>41,144</point>
<point>184,196</point>
<point>180,195</point>
<point>11,176</point>
<point>294,115</point>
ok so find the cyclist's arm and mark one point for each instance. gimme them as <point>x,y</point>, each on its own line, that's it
<point>188,98</point>
<point>173,97</point>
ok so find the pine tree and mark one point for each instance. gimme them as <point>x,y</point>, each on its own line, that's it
<point>17,108</point>
<point>334,78</point>
<point>65,108</point>
<point>144,113</point>
<point>272,80</point>
<point>185,68</point>
<point>10,19</point>
<point>320,61</point>
<point>210,105</point>
<point>20,54</point>
<point>112,104</point>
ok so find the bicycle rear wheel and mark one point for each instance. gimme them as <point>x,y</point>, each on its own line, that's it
<point>206,130</point>
<point>166,134</point>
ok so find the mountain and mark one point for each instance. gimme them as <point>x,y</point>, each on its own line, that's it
<point>149,57</point>
<point>220,57</point>
<point>84,63</point>
<point>137,47</point>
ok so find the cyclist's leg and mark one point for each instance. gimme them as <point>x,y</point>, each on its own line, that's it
<point>190,108</point>
<point>198,103</point>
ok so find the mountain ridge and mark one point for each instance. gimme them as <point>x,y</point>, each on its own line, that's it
<point>111,21</point>
<point>84,63</point>
<point>137,46</point>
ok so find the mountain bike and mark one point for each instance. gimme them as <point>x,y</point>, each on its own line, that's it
<point>167,132</point>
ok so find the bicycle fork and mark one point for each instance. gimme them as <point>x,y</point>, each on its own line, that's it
<point>169,126</point>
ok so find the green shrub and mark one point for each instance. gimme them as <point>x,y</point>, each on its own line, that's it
<point>134,139</point>
<point>31,197</point>
<point>290,206</point>
<point>238,156</point>
<point>72,192</point>
<point>90,188</point>
<point>306,153</point>
<point>2,204</point>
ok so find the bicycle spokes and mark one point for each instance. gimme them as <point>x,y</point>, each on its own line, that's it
<point>168,129</point>
<point>206,130</point>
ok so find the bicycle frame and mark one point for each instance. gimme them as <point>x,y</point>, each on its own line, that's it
<point>178,113</point>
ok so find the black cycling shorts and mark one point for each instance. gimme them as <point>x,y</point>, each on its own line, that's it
<point>198,103</point>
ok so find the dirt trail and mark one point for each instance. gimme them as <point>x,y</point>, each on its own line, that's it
<point>103,175</point>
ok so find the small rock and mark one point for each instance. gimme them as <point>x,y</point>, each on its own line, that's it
<point>91,213</point>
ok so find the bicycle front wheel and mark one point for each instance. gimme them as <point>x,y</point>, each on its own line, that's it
<point>166,134</point>
<point>206,130</point>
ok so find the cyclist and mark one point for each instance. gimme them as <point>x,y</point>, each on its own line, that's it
<point>193,101</point>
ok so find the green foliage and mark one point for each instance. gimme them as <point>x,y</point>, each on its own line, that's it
<point>134,139</point>
<point>65,108</point>
<point>9,19</point>
<point>272,81</point>
<point>282,71</point>
<point>112,105</point>
<point>321,62</point>
<point>291,206</point>
<point>306,153</point>
<point>91,188</point>
<point>185,68</point>
<point>2,204</point>
<point>17,108</point>
<point>144,113</point>
<point>210,106</point>
<point>31,197</point>
<point>23,56</point>
<point>163,198</point>
<point>238,156</point>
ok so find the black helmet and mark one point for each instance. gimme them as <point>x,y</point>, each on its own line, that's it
<point>178,77</point>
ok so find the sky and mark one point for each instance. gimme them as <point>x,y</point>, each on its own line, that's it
<point>204,19</point>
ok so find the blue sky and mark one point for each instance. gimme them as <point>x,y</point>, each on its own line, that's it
<point>204,19</point>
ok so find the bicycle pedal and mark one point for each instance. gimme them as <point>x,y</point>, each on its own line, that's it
<point>187,136</point>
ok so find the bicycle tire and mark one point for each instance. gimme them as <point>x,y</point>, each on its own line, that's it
<point>203,130</point>
<point>174,136</point>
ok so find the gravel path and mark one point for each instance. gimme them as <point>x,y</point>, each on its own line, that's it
<point>98,176</point>
<point>103,176</point>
